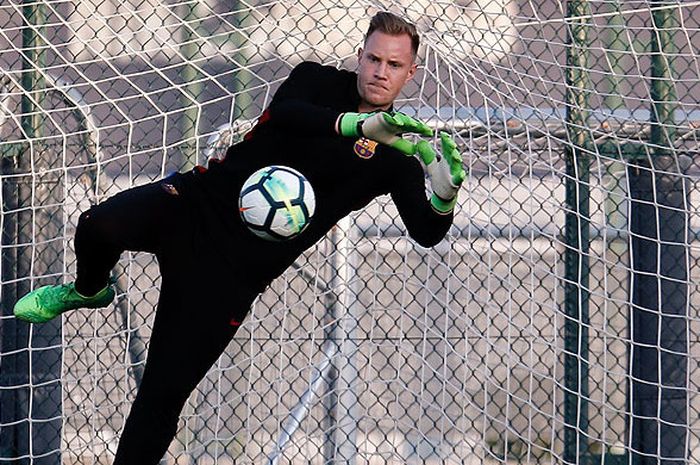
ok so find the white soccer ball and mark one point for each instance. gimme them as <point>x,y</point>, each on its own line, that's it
<point>277,203</point>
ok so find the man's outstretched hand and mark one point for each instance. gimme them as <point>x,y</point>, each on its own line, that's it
<point>446,173</point>
<point>383,127</point>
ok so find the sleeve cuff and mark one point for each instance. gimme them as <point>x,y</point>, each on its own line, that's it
<point>442,206</point>
<point>348,125</point>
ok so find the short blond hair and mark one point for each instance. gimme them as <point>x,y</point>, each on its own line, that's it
<point>389,23</point>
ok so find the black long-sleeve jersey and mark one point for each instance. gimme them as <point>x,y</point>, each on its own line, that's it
<point>298,130</point>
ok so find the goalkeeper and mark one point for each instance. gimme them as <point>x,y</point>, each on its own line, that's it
<point>336,127</point>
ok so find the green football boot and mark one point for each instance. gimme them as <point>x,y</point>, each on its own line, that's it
<point>47,302</point>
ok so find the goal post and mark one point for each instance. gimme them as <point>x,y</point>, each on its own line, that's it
<point>554,324</point>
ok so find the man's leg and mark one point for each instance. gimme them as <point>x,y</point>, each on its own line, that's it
<point>136,219</point>
<point>191,330</point>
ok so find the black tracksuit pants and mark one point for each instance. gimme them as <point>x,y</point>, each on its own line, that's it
<point>194,319</point>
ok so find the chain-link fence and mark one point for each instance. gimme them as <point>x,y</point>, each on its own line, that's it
<point>555,324</point>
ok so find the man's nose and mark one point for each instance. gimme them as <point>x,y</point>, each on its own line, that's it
<point>380,71</point>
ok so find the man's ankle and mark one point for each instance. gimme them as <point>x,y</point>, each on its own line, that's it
<point>88,293</point>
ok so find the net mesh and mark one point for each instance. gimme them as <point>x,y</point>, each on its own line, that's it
<point>555,323</point>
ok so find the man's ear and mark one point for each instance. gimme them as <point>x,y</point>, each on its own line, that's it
<point>359,53</point>
<point>412,71</point>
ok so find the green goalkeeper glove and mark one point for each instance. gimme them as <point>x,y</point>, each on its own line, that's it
<point>383,127</point>
<point>446,172</point>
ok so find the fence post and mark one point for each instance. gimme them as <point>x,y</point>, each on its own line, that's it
<point>191,86</point>
<point>31,364</point>
<point>577,237</point>
<point>659,225</point>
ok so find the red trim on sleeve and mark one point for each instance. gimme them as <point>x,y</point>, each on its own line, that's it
<point>264,118</point>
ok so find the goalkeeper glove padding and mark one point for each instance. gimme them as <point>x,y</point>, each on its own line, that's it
<point>445,172</point>
<point>383,127</point>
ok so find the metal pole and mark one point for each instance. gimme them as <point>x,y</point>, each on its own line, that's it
<point>243,101</point>
<point>658,317</point>
<point>663,95</point>
<point>659,240</point>
<point>577,237</point>
<point>31,376</point>
<point>14,392</point>
<point>341,403</point>
<point>44,255</point>
<point>616,50</point>
<point>192,87</point>
<point>330,400</point>
<point>348,373</point>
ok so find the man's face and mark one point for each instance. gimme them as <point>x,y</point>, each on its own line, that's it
<point>385,65</point>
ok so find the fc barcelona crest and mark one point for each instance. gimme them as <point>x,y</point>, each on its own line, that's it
<point>365,148</point>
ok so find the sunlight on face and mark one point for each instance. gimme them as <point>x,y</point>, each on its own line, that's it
<point>386,64</point>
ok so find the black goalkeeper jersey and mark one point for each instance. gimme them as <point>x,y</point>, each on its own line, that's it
<point>298,130</point>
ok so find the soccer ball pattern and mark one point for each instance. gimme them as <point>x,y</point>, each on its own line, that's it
<point>276,203</point>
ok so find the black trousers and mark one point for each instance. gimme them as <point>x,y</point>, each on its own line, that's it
<point>198,301</point>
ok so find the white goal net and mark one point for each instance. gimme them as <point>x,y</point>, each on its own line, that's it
<point>556,323</point>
